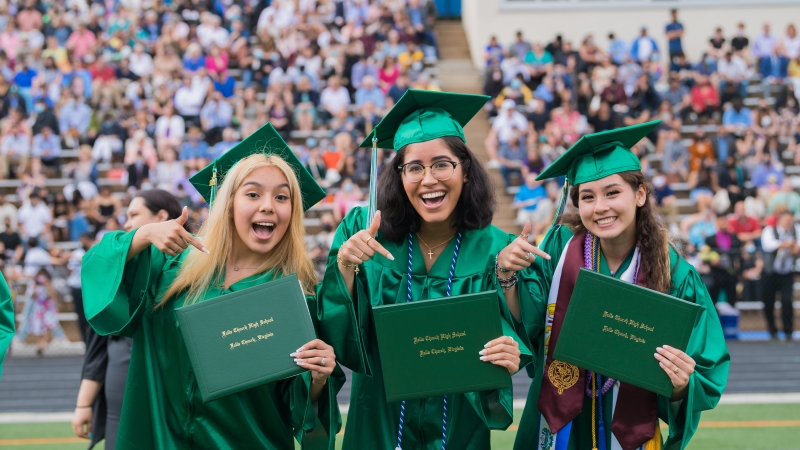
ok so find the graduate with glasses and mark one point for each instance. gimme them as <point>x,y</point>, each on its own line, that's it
<point>616,232</point>
<point>431,238</point>
<point>133,282</point>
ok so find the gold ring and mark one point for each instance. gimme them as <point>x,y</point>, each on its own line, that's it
<point>360,256</point>
<point>322,363</point>
<point>528,256</point>
<point>524,236</point>
<point>676,371</point>
<point>368,239</point>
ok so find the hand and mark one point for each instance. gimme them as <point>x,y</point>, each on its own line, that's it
<point>504,352</point>
<point>670,359</point>
<point>312,355</point>
<point>520,253</point>
<point>170,237</point>
<point>362,246</point>
<point>82,422</point>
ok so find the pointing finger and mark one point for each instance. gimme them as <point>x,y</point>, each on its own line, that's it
<point>194,241</point>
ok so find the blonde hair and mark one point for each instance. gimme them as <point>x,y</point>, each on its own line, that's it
<point>199,271</point>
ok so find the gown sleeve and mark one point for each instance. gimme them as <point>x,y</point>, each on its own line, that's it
<point>115,293</point>
<point>7,327</point>
<point>316,424</point>
<point>708,349</point>
<point>534,289</point>
<point>344,320</point>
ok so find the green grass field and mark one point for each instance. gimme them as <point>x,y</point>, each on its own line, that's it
<point>720,432</point>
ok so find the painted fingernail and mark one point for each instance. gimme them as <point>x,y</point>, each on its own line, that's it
<point>298,360</point>
<point>487,345</point>
<point>299,349</point>
<point>293,354</point>
<point>390,257</point>
<point>378,211</point>
<point>661,364</point>
<point>482,352</point>
<point>298,363</point>
<point>667,346</point>
<point>205,250</point>
<point>659,349</point>
<point>483,358</point>
<point>657,355</point>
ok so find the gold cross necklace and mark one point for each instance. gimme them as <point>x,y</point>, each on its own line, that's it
<point>430,249</point>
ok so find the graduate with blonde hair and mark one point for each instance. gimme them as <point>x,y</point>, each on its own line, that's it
<point>133,282</point>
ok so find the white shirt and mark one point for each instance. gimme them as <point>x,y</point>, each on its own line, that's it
<point>33,218</point>
<point>792,46</point>
<point>10,211</point>
<point>189,100</point>
<point>504,125</point>
<point>37,258</point>
<point>784,261</point>
<point>141,64</point>
<point>645,49</point>
<point>335,100</point>
<point>74,264</point>
<point>734,70</point>
<point>172,127</point>
<point>20,143</point>
<point>208,35</point>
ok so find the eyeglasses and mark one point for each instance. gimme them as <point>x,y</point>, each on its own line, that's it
<point>441,170</point>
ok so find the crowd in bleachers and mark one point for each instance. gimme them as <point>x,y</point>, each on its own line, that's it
<point>721,162</point>
<point>102,99</point>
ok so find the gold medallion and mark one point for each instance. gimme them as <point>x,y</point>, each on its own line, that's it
<point>562,375</point>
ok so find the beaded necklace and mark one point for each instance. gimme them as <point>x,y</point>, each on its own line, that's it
<point>595,387</point>
<point>408,299</point>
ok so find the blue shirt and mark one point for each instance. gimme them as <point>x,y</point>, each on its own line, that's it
<point>191,150</point>
<point>375,95</point>
<point>193,64</point>
<point>226,88</point>
<point>675,44</point>
<point>767,176</point>
<point>220,148</point>
<point>24,78</point>
<point>526,193</point>
<point>732,117</point>
<point>618,50</point>
<point>77,115</point>
<point>42,145</point>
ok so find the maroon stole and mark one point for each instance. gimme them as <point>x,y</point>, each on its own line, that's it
<point>561,394</point>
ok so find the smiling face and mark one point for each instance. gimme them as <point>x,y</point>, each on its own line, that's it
<point>262,209</point>
<point>434,200</point>
<point>608,206</point>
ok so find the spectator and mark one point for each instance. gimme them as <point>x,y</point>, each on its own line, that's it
<point>194,150</point>
<point>740,44</point>
<point>617,49</point>
<point>140,142</point>
<point>665,198</point>
<point>169,128</point>
<point>644,48</point>
<point>705,100</point>
<point>83,174</point>
<point>532,203</point>
<point>751,270</point>
<point>346,198</point>
<point>8,215</point>
<point>737,116</point>
<point>216,62</point>
<point>724,269</point>
<point>103,207</point>
<point>280,117</point>
<point>168,171</point>
<point>314,163</point>
<point>787,197</point>
<point>732,71</point>
<point>82,41</point>
<point>35,218</point>
<point>780,252</point>
<point>674,34</point>
<point>412,55</point>
<point>716,45</point>
<point>369,92</point>
<point>767,174</point>
<point>788,49</point>
<point>73,120</point>
<point>12,242</point>
<point>42,313</point>
<point>45,116</point>
<point>764,53</point>
<point>141,63</point>
<point>508,120</point>
<point>493,53</point>
<point>389,77</point>
<point>745,227</point>
<point>520,47</point>
<point>675,163</point>
<point>109,140</point>
<point>306,101</point>
<point>511,156</point>
<point>47,147</point>
<point>334,98</point>
<point>228,142</point>
<point>215,116</point>
<point>189,99</point>
<point>15,145</point>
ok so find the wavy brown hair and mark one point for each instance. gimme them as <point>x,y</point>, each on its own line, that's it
<point>651,234</point>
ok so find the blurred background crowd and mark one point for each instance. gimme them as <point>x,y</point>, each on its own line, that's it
<point>101,99</point>
<point>723,162</point>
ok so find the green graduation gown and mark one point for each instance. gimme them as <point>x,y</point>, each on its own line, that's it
<point>706,346</point>
<point>162,409</point>
<point>6,320</point>
<point>347,326</point>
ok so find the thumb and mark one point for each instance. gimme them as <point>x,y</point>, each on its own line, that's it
<point>526,230</point>
<point>376,224</point>
<point>183,217</point>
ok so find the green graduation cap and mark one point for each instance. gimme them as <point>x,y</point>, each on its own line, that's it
<point>264,140</point>
<point>599,155</point>
<point>421,116</point>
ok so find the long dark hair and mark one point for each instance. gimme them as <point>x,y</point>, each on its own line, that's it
<point>156,200</point>
<point>651,234</point>
<point>475,207</point>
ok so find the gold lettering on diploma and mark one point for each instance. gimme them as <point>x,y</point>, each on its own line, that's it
<point>627,327</point>
<point>260,336</point>
<point>439,338</point>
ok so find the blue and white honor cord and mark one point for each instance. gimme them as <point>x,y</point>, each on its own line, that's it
<point>449,284</point>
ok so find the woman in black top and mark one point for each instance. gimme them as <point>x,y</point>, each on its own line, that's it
<point>105,366</point>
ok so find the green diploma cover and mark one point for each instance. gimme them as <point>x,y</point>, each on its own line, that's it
<point>613,328</point>
<point>430,347</point>
<point>243,339</point>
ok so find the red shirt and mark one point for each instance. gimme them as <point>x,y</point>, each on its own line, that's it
<point>748,225</point>
<point>104,72</point>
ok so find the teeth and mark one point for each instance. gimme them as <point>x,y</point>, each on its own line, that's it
<point>433,195</point>
<point>265,224</point>
<point>606,221</point>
